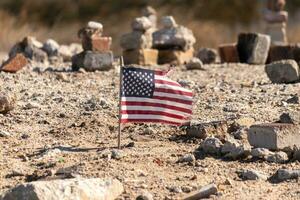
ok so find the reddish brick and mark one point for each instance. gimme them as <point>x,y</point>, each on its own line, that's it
<point>228,53</point>
<point>14,64</point>
<point>100,44</point>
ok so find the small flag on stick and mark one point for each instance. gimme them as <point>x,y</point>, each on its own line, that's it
<point>149,96</point>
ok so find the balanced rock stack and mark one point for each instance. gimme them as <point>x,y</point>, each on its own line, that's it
<point>137,45</point>
<point>96,54</point>
<point>276,20</point>
<point>174,42</point>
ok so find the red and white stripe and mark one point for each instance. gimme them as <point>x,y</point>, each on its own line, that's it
<point>170,104</point>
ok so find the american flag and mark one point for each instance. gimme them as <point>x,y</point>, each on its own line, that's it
<point>150,96</point>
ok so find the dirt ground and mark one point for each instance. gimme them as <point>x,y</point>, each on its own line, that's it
<point>67,121</point>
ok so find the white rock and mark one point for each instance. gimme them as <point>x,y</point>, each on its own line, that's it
<point>4,134</point>
<point>278,157</point>
<point>94,25</point>
<point>68,189</point>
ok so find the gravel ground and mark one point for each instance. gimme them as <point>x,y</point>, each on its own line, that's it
<point>66,123</point>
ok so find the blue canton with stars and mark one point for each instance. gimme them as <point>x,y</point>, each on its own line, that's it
<point>137,82</point>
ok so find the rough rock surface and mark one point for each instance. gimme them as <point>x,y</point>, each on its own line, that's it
<point>67,189</point>
<point>7,102</point>
<point>253,48</point>
<point>284,71</point>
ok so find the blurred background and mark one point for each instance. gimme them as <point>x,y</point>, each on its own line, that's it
<point>212,21</point>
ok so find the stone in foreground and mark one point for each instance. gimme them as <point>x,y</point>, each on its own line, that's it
<point>284,71</point>
<point>7,102</point>
<point>14,64</point>
<point>286,174</point>
<point>204,192</point>
<point>207,55</point>
<point>93,61</point>
<point>194,64</point>
<point>68,189</point>
<point>228,53</point>
<point>140,56</point>
<point>253,48</point>
<point>175,56</point>
<point>274,136</point>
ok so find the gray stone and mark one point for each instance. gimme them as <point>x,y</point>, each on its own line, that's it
<point>207,55</point>
<point>65,52</point>
<point>175,189</point>
<point>177,37</point>
<point>136,40</point>
<point>234,149</point>
<point>93,61</point>
<point>284,71</point>
<point>250,174</point>
<point>211,146</point>
<point>141,24</point>
<point>293,100</point>
<point>253,48</point>
<point>194,63</point>
<point>168,22</point>
<point>116,154</point>
<point>286,174</point>
<point>274,136</point>
<point>187,158</point>
<point>7,102</point>
<point>204,192</point>
<point>260,153</point>
<point>51,47</point>
<point>4,134</point>
<point>67,189</point>
<point>296,154</point>
<point>277,157</point>
<point>145,196</point>
<point>291,117</point>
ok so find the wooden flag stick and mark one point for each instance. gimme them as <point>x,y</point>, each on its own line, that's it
<point>120,99</point>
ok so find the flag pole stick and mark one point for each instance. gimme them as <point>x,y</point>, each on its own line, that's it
<point>120,99</point>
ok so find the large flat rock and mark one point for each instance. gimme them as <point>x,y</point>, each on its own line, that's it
<point>68,189</point>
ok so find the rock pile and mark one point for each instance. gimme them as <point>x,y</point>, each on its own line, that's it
<point>174,42</point>
<point>137,45</point>
<point>96,54</point>
<point>276,20</point>
<point>31,50</point>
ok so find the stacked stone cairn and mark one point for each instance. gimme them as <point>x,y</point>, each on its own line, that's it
<point>276,19</point>
<point>174,42</point>
<point>30,50</point>
<point>96,54</point>
<point>137,45</point>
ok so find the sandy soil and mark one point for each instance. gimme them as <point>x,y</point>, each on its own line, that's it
<point>68,120</point>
